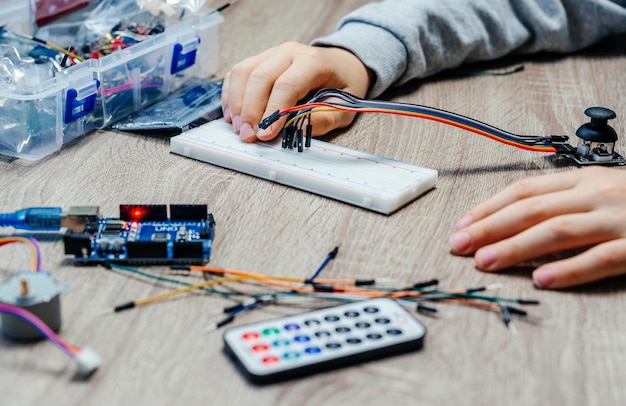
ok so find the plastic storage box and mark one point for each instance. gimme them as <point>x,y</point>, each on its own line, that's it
<point>36,120</point>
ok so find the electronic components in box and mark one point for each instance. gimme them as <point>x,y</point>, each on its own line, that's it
<point>145,234</point>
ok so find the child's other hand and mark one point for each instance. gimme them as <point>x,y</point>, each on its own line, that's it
<point>547,214</point>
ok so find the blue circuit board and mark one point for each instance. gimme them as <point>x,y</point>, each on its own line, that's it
<point>146,234</point>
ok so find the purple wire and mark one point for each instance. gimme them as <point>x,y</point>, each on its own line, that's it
<point>38,250</point>
<point>38,324</point>
<point>35,245</point>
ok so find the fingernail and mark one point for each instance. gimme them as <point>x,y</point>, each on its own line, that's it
<point>544,278</point>
<point>464,222</point>
<point>485,258</point>
<point>237,123</point>
<point>246,133</point>
<point>460,242</point>
<point>264,134</point>
<point>226,114</point>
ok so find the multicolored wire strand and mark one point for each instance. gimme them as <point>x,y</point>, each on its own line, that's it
<point>28,316</point>
<point>32,243</point>
<point>330,289</point>
<point>298,120</point>
<point>40,326</point>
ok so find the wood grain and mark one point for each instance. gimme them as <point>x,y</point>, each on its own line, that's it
<point>571,351</point>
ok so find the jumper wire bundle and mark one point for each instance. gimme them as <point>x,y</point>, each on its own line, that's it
<point>297,131</point>
<point>342,290</point>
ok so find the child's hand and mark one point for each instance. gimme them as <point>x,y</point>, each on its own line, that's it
<point>547,214</point>
<point>279,77</point>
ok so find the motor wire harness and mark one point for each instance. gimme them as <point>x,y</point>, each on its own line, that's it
<point>30,309</point>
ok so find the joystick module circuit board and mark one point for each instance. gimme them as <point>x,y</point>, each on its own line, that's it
<point>145,234</point>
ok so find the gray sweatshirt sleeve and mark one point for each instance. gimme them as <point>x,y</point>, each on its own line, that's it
<point>400,40</point>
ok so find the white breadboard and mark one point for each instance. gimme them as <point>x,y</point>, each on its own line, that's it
<point>370,181</point>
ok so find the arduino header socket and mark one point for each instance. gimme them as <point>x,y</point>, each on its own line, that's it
<point>142,234</point>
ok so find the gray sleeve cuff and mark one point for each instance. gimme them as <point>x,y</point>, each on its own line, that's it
<point>387,56</point>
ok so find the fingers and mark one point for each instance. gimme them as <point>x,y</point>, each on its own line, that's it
<point>602,261</point>
<point>554,235</point>
<point>321,123</point>
<point>270,81</point>
<point>236,84</point>
<point>271,86</point>
<point>225,104</point>
<point>515,218</point>
<point>549,214</point>
<point>292,85</point>
<point>280,77</point>
<point>584,191</point>
<point>324,122</point>
<point>522,189</point>
<point>284,85</point>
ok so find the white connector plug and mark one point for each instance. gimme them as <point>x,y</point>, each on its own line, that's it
<point>87,361</point>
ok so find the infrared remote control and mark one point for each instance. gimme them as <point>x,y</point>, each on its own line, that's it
<point>319,340</point>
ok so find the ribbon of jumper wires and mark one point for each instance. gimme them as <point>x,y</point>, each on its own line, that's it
<point>78,354</point>
<point>331,289</point>
<point>296,126</point>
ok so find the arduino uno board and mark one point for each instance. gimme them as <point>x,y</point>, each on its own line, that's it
<point>145,234</point>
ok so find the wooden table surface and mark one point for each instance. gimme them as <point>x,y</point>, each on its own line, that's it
<point>570,350</point>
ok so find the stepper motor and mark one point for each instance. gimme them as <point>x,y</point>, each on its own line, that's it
<point>36,292</point>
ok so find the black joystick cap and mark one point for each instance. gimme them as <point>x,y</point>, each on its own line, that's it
<point>598,129</point>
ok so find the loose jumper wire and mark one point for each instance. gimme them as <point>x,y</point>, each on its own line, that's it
<point>341,290</point>
<point>331,255</point>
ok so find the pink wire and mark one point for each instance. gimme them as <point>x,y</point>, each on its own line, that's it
<point>37,249</point>
<point>30,240</point>
<point>38,324</point>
